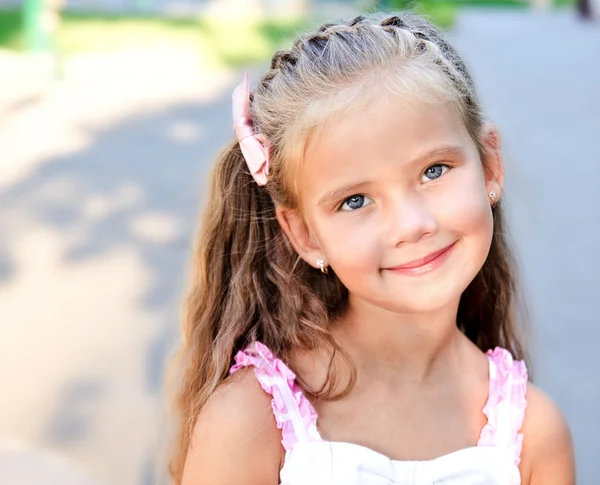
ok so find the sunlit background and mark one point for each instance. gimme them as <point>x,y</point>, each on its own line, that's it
<point>111,113</point>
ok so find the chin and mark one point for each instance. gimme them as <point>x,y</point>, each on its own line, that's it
<point>425,302</point>
<point>432,294</point>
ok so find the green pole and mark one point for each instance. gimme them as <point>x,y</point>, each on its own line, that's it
<point>40,21</point>
<point>37,26</point>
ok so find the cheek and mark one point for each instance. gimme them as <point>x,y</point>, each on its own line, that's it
<point>465,209</point>
<point>348,244</point>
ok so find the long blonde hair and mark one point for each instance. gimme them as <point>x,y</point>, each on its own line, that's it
<point>247,282</point>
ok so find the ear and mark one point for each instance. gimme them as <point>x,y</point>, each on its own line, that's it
<point>493,165</point>
<point>299,235</point>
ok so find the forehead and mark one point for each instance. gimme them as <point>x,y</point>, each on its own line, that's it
<point>390,130</point>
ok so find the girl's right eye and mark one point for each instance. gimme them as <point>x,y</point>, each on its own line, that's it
<point>355,202</point>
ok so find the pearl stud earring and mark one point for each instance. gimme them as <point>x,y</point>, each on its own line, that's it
<point>321,266</point>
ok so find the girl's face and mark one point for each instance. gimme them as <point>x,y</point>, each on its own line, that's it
<point>384,190</point>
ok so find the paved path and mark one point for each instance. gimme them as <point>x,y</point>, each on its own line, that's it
<point>539,76</point>
<point>99,188</point>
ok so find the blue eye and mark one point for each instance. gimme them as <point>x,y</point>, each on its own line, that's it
<point>356,202</point>
<point>434,172</point>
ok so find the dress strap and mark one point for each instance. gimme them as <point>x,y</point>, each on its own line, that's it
<point>505,408</point>
<point>294,414</point>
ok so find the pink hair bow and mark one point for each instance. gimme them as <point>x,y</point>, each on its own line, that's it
<point>254,146</point>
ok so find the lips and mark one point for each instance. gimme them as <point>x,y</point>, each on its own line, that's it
<point>416,263</point>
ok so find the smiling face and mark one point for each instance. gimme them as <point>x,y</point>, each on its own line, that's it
<point>385,190</point>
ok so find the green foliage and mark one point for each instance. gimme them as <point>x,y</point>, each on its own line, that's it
<point>220,42</point>
<point>11,35</point>
<point>433,4</point>
<point>440,12</point>
<point>429,4</point>
<point>443,12</point>
<point>399,4</point>
<point>492,3</point>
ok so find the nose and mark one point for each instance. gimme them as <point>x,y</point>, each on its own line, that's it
<point>409,220</point>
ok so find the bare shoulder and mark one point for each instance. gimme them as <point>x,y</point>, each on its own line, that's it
<point>547,446</point>
<point>235,439</point>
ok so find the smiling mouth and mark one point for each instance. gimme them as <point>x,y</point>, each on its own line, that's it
<point>426,264</point>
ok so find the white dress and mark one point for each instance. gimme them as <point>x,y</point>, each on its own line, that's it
<point>311,460</point>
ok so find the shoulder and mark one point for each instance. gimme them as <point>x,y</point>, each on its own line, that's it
<point>235,438</point>
<point>547,445</point>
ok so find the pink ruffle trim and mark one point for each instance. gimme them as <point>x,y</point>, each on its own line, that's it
<point>505,408</point>
<point>272,374</point>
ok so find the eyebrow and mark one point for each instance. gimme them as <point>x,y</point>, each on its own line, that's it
<point>443,151</point>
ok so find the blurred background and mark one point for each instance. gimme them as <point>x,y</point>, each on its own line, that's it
<point>112,112</point>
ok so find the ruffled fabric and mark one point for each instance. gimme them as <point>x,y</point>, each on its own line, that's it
<point>294,414</point>
<point>505,408</point>
<point>297,419</point>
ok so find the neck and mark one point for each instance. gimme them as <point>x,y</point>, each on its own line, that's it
<point>399,346</point>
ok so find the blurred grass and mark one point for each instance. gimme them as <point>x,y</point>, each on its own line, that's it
<point>219,42</point>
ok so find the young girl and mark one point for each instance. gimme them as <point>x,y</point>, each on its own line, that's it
<point>351,318</point>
